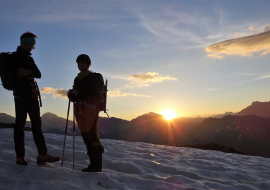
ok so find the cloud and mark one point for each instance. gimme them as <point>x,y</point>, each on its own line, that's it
<point>256,76</point>
<point>244,46</point>
<point>249,74</point>
<point>168,28</point>
<point>212,89</point>
<point>252,28</point>
<point>61,93</point>
<point>47,90</point>
<point>151,77</point>
<point>118,93</point>
<point>262,77</point>
<point>142,80</point>
<point>216,55</point>
<point>236,34</point>
<point>266,28</point>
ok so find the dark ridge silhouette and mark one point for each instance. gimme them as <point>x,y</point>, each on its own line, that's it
<point>222,115</point>
<point>261,109</point>
<point>5,118</point>
<point>247,134</point>
<point>215,146</point>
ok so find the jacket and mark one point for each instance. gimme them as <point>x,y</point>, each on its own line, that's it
<point>24,88</point>
<point>87,88</point>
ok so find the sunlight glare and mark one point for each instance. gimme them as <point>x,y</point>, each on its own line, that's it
<point>168,114</point>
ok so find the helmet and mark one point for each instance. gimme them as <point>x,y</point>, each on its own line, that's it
<point>84,57</point>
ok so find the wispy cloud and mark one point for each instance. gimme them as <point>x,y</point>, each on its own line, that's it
<point>262,77</point>
<point>244,46</point>
<point>151,77</point>
<point>249,74</point>
<point>142,79</point>
<point>168,27</point>
<point>266,28</point>
<point>212,89</point>
<point>252,28</point>
<point>118,93</point>
<point>254,77</point>
<point>236,35</point>
<point>61,93</point>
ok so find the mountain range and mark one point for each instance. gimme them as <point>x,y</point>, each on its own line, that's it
<point>261,109</point>
<point>247,131</point>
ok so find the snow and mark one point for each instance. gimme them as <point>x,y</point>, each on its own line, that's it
<point>131,165</point>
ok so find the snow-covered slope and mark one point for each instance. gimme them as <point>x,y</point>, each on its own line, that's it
<point>129,165</point>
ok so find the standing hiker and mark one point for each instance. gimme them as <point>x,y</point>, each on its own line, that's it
<point>86,94</point>
<point>26,94</point>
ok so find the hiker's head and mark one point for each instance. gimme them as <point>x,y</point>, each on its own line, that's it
<point>84,62</point>
<point>28,41</point>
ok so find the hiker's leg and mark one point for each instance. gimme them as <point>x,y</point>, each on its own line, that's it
<point>80,119</point>
<point>21,106</point>
<point>89,129</point>
<point>34,114</point>
<point>91,123</point>
<point>94,149</point>
<point>96,157</point>
<point>81,124</point>
<point>82,128</point>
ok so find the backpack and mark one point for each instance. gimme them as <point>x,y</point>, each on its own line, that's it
<point>7,77</point>
<point>99,92</point>
<point>102,92</point>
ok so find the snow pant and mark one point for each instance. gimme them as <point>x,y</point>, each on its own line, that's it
<point>88,125</point>
<point>22,107</point>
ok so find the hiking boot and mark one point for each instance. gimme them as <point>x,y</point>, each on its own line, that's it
<point>95,156</point>
<point>47,158</point>
<point>90,168</point>
<point>21,161</point>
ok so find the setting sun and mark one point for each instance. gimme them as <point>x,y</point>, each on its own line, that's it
<point>168,114</point>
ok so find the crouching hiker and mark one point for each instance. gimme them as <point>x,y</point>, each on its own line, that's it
<point>86,94</point>
<point>23,69</point>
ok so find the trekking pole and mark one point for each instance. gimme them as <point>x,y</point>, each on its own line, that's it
<point>106,89</point>
<point>73,137</point>
<point>65,134</point>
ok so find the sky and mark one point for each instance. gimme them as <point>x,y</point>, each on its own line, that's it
<point>196,58</point>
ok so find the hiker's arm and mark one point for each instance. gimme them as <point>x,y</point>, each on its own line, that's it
<point>73,91</point>
<point>23,72</point>
<point>35,72</point>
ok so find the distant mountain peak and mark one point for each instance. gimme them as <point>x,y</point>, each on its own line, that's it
<point>261,109</point>
<point>222,115</point>
<point>5,118</point>
<point>49,114</point>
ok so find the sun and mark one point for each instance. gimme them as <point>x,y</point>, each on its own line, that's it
<point>168,114</point>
